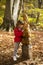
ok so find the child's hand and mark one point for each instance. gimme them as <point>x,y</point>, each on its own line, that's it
<point>22,30</point>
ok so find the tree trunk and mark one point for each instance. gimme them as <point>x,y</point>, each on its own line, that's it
<point>11,14</point>
<point>39,3</point>
<point>25,40</point>
<point>7,21</point>
<point>37,18</point>
<point>25,51</point>
<point>16,9</point>
<point>11,6</point>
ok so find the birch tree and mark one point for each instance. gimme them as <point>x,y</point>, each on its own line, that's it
<point>14,12</point>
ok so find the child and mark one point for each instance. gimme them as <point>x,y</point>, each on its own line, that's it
<point>18,32</point>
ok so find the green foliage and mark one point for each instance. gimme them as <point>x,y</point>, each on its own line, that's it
<point>2,9</point>
<point>31,9</point>
<point>32,20</point>
<point>1,20</point>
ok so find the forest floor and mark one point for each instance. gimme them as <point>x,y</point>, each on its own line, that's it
<point>7,48</point>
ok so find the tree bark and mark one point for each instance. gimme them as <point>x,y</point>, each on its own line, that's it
<point>25,40</point>
<point>11,6</point>
<point>37,18</point>
<point>39,3</point>
<point>7,21</point>
<point>15,11</point>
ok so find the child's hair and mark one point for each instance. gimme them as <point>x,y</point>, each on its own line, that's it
<point>19,23</point>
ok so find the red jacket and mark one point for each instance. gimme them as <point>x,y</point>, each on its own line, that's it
<point>18,35</point>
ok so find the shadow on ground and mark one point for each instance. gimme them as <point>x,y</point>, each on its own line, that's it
<point>10,61</point>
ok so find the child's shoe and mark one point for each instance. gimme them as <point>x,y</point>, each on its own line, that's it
<point>14,58</point>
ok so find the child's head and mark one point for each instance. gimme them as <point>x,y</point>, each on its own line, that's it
<point>20,24</point>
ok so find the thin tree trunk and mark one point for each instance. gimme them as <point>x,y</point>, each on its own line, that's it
<point>39,3</point>
<point>15,11</point>
<point>11,6</point>
<point>37,19</point>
